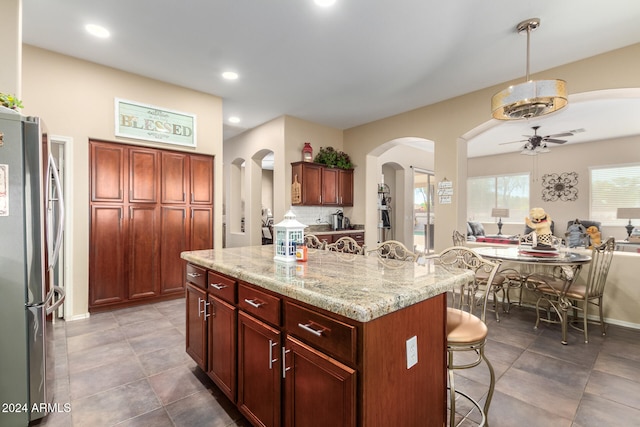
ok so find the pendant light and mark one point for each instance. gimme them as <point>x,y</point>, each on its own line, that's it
<point>533,98</point>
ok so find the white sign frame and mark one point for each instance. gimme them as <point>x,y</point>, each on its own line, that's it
<point>157,124</point>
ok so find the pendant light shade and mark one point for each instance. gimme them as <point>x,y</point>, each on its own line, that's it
<point>533,98</point>
<point>529,99</point>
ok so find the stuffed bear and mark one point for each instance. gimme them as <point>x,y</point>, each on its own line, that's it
<point>595,237</point>
<point>540,222</point>
<point>576,234</point>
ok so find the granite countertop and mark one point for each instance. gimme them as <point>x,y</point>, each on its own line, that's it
<point>358,287</point>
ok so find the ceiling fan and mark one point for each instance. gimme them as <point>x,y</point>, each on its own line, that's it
<point>535,143</point>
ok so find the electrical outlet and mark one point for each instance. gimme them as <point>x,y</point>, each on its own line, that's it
<point>412,351</point>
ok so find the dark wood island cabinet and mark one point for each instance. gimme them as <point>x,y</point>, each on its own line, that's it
<point>321,343</point>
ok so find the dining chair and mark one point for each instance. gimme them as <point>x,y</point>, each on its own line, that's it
<point>346,244</point>
<point>561,292</point>
<point>392,249</point>
<point>467,332</point>
<point>459,239</point>
<point>311,241</point>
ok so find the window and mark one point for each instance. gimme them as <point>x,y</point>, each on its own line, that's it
<point>613,187</point>
<point>500,191</point>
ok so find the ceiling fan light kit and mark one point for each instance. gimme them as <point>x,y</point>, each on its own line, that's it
<point>533,98</point>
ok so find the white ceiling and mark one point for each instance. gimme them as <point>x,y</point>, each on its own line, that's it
<point>356,62</point>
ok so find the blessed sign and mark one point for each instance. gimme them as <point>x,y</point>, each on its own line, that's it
<point>141,121</point>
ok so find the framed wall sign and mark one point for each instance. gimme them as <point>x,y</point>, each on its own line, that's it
<point>157,124</point>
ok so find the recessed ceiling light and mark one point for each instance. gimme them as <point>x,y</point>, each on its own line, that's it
<point>97,30</point>
<point>229,75</point>
<point>325,3</point>
<point>234,119</point>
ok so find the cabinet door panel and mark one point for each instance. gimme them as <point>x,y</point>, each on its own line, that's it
<point>144,225</point>
<point>330,191</point>
<point>345,186</point>
<point>107,278</point>
<point>222,346</point>
<point>201,228</point>
<point>319,391</point>
<point>196,300</point>
<point>143,175</point>
<point>107,172</point>
<point>259,375</point>
<point>173,241</point>
<point>201,182</point>
<point>173,176</point>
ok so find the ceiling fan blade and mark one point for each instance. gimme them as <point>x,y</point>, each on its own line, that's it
<point>512,142</point>
<point>555,141</point>
<point>559,135</point>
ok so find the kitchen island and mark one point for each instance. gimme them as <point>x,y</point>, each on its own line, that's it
<point>340,340</point>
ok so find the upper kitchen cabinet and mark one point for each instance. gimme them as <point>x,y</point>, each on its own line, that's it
<point>109,162</point>
<point>201,179</point>
<point>314,184</point>
<point>174,178</point>
<point>143,175</point>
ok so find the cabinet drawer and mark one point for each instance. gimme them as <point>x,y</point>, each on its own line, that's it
<point>332,336</point>
<point>358,237</point>
<point>262,305</point>
<point>197,276</point>
<point>222,287</point>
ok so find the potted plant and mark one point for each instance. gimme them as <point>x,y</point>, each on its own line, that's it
<point>10,101</point>
<point>333,158</point>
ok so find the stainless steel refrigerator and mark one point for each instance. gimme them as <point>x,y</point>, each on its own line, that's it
<point>31,221</point>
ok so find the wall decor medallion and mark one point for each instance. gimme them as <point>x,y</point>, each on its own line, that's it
<point>560,187</point>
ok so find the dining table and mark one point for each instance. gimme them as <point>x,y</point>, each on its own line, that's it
<point>527,269</point>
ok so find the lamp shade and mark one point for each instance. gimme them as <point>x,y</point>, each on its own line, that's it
<point>628,213</point>
<point>500,212</point>
<point>532,98</point>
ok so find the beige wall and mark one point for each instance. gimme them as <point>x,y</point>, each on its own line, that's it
<point>285,136</point>
<point>447,122</point>
<point>568,158</point>
<point>10,47</point>
<point>76,100</point>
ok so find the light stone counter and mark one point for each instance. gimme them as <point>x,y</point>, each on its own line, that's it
<point>358,287</point>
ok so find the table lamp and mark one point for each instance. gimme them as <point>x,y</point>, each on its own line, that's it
<point>628,213</point>
<point>500,213</point>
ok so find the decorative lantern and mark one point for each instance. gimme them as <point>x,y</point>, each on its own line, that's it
<point>288,234</point>
<point>307,152</point>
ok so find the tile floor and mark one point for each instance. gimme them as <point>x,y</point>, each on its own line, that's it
<point>128,368</point>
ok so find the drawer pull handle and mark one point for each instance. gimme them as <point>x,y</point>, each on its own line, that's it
<point>253,303</point>
<point>308,328</point>
<point>218,286</point>
<point>284,362</point>
<point>271,359</point>
<point>194,274</point>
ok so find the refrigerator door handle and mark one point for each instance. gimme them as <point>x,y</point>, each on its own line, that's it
<point>61,293</point>
<point>58,189</point>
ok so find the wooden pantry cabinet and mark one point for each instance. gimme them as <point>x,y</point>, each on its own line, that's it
<point>321,185</point>
<point>147,206</point>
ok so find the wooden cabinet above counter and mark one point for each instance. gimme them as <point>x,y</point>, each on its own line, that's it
<point>314,184</point>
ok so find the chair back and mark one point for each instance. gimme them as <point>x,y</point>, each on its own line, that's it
<point>392,249</point>
<point>347,245</point>
<point>461,257</point>
<point>311,241</point>
<point>459,239</point>
<point>601,257</point>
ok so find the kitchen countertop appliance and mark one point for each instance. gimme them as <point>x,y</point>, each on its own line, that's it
<point>31,221</point>
<point>336,220</point>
